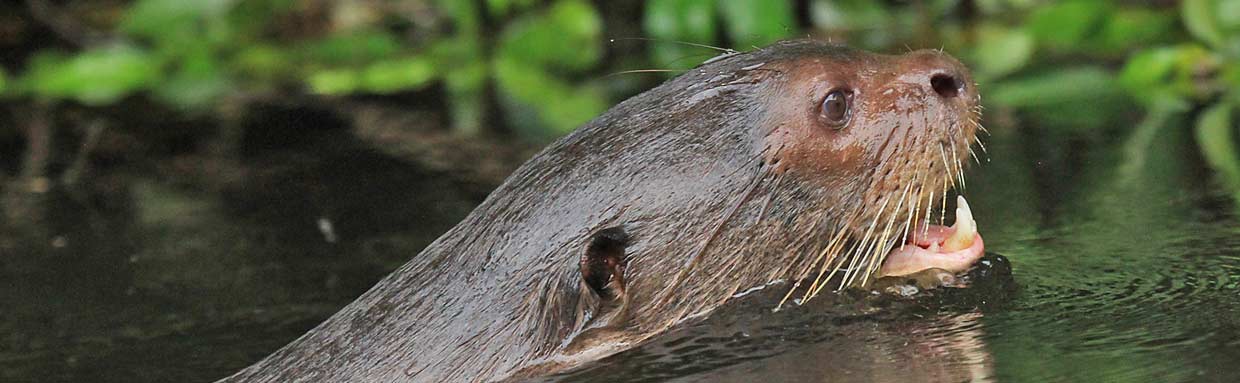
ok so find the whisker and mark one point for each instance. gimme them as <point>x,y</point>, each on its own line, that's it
<point>908,222</point>
<point>854,260</point>
<point>838,266</point>
<point>943,207</point>
<point>724,50</point>
<point>860,259</point>
<point>833,256</point>
<point>831,249</point>
<point>946,168</point>
<point>646,71</point>
<point>852,265</point>
<point>877,257</point>
<point>959,168</point>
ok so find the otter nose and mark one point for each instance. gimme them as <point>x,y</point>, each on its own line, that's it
<point>947,85</point>
<point>938,73</point>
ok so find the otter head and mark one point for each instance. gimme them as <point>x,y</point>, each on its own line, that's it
<point>891,134</point>
<point>803,162</point>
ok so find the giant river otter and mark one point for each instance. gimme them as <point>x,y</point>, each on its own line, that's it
<point>805,162</point>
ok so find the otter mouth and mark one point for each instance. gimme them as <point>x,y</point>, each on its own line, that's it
<point>954,249</point>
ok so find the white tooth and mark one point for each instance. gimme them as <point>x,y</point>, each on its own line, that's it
<point>966,228</point>
<point>964,214</point>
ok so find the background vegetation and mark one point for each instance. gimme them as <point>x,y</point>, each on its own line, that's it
<point>536,69</point>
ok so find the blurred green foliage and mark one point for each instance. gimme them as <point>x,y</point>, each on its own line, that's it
<point>1081,67</point>
<point>1208,71</point>
<point>194,54</point>
<point>94,76</point>
<point>748,24</point>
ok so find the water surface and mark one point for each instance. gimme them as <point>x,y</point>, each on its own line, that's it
<point>1126,265</point>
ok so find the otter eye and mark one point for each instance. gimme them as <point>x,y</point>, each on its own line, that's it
<point>835,109</point>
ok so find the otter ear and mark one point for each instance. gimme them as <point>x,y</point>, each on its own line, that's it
<point>603,262</point>
<point>602,310</point>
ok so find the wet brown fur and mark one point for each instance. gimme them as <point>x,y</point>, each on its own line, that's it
<point>722,178</point>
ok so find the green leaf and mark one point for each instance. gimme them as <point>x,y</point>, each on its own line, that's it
<point>1168,72</point>
<point>1147,74</point>
<point>1216,137</point>
<point>155,18</point>
<point>755,23</point>
<point>263,62</point>
<point>562,106</point>
<point>394,75</point>
<point>1135,28</point>
<point>1142,147</point>
<point>1064,25</point>
<point>465,86</point>
<point>1199,18</point>
<point>849,15</point>
<point>174,25</point>
<point>455,51</point>
<point>671,22</point>
<point>252,19</point>
<point>684,20</point>
<point>1079,99</point>
<point>196,83</point>
<point>566,36</point>
<point>1231,79</point>
<point>466,76</point>
<point>502,7</point>
<point>869,23</point>
<point>353,48</point>
<point>465,71</point>
<point>192,90</point>
<point>334,81</point>
<point>1068,85</point>
<point>1229,15</point>
<point>384,76</point>
<point>1001,51</point>
<point>464,14</point>
<point>95,76</point>
<point>498,7</point>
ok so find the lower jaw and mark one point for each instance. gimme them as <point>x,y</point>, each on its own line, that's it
<point>926,251</point>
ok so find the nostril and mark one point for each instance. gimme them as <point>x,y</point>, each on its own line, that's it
<point>947,86</point>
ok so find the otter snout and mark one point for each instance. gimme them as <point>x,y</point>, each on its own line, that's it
<point>939,74</point>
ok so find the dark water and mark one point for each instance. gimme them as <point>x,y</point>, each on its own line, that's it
<point>1126,263</point>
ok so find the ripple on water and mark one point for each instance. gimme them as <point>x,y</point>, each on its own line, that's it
<point>1156,304</point>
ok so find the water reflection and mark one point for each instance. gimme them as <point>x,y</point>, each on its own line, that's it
<point>948,348</point>
<point>939,336</point>
<point>143,279</point>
